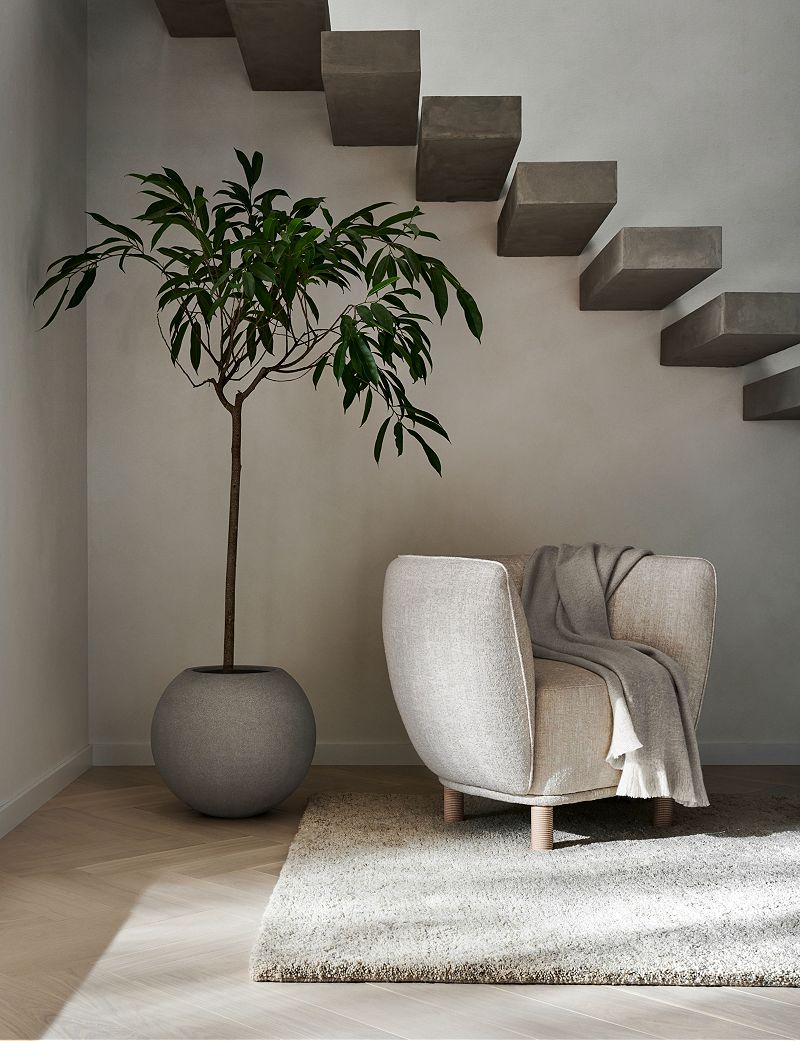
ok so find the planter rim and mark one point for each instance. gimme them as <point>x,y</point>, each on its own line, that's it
<point>239,670</point>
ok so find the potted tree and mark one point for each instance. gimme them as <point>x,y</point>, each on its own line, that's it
<point>239,306</point>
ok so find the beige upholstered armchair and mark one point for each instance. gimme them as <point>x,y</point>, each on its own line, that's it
<point>490,719</point>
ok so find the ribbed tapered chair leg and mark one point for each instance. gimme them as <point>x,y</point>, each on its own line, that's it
<point>541,827</point>
<point>453,805</point>
<point>662,812</point>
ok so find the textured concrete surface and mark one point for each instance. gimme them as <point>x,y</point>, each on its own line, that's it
<point>372,86</point>
<point>466,147</point>
<point>553,209</point>
<point>280,41</point>
<point>776,397</point>
<point>195,17</point>
<point>233,744</point>
<point>733,329</point>
<point>644,269</point>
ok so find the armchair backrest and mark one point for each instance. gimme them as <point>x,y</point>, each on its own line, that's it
<point>666,602</point>
<point>669,603</point>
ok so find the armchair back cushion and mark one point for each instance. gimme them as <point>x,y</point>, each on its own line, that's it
<point>665,602</point>
<point>669,603</point>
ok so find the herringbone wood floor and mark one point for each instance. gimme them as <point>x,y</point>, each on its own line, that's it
<point>125,915</point>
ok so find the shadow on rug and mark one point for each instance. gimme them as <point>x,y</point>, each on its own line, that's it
<point>378,888</point>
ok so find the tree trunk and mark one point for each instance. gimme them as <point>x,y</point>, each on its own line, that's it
<point>233,535</point>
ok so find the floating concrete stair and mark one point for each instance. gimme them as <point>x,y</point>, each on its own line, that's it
<point>644,269</point>
<point>372,86</point>
<point>776,397</point>
<point>466,147</point>
<point>195,17</point>
<point>280,41</point>
<point>553,209</point>
<point>733,329</point>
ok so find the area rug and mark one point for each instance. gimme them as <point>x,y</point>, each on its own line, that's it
<point>377,888</point>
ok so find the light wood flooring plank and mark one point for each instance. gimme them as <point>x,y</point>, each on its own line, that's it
<point>493,1004</point>
<point>629,1009</point>
<point>126,915</point>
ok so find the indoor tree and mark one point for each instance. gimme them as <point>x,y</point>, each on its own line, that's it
<point>239,304</point>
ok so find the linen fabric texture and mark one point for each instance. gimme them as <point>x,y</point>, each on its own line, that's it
<point>565,593</point>
<point>490,719</point>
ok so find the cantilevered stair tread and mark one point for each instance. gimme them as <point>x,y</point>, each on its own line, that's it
<point>372,86</point>
<point>733,329</point>
<point>466,146</point>
<point>195,17</point>
<point>553,209</point>
<point>776,397</point>
<point>280,41</point>
<point>644,269</point>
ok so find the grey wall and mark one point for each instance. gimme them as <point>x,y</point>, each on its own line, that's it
<point>564,427</point>
<point>43,710</point>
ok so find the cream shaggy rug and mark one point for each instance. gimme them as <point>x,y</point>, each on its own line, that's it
<point>378,888</point>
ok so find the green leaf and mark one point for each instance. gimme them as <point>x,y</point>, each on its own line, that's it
<point>305,207</point>
<point>429,421</point>
<point>431,456</point>
<point>368,359</point>
<point>57,308</point>
<point>244,162</point>
<point>367,407</point>
<point>85,284</point>
<point>471,312</point>
<point>177,340</point>
<point>265,335</point>
<point>263,296</point>
<point>398,437</point>
<point>382,285</point>
<point>439,290</point>
<point>195,349</point>
<point>119,228</point>
<point>252,344</point>
<point>319,368</point>
<point>340,360</point>
<point>379,439</point>
<point>384,317</point>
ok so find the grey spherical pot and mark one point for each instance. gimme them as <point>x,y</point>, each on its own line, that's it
<point>233,744</point>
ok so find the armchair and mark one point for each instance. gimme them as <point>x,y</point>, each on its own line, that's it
<point>490,719</point>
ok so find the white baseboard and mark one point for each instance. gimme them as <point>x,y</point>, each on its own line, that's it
<point>328,753</point>
<point>747,753</point>
<point>401,753</point>
<point>14,810</point>
<point>365,753</point>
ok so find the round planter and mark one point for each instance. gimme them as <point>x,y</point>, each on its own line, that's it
<point>233,744</point>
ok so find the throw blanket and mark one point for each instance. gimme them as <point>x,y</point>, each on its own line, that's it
<point>565,593</point>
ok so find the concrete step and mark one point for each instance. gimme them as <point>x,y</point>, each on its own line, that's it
<point>776,397</point>
<point>466,147</point>
<point>195,17</point>
<point>553,209</point>
<point>372,86</point>
<point>733,329</point>
<point>644,269</point>
<point>280,41</point>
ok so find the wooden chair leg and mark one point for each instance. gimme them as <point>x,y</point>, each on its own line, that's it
<point>662,812</point>
<point>541,827</point>
<point>453,805</point>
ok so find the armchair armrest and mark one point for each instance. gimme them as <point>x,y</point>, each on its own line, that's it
<point>669,603</point>
<point>460,663</point>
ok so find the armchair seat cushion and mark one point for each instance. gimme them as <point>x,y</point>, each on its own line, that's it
<point>572,731</point>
